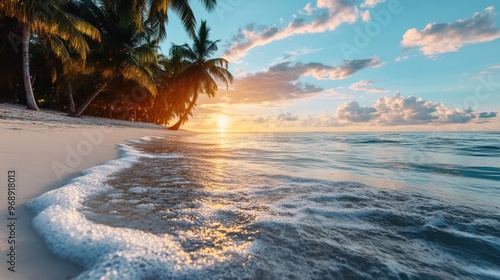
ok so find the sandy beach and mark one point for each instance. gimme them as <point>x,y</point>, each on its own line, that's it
<point>45,149</point>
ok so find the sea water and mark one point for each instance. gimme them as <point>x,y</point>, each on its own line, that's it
<point>284,206</point>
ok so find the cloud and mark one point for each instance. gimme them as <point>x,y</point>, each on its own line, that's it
<point>278,83</point>
<point>401,58</point>
<point>240,72</point>
<point>287,117</point>
<point>485,115</point>
<point>323,121</point>
<point>364,86</point>
<point>410,110</point>
<point>366,16</point>
<point>437,38</point>
<point>281,82</point>
<point>352,112</point>
<point>361,83</point>
<point>208,109</point>
<point>261,120</point>
<point>326,16</point>
<point>371,3</point>
<point>325,72</point>
<point>308,10</point>
<point>293,55</point>
<point>400,110</point>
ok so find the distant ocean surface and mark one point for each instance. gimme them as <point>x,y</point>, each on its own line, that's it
<point>284,206</point>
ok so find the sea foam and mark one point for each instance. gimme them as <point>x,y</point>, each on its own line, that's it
<point>107,252</point>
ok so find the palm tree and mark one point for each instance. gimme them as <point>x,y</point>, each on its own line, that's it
<point>157,13</point>
<point>50,17</point>
<point>132,31</point>
<point>168,102</point>
<point>126,53</point>
<point>203,72</point>
<point>54,60</point>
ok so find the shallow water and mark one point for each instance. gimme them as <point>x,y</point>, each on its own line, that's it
<point>285,206</point>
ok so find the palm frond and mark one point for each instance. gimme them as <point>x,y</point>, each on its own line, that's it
<point>145,54</point>
<point>209,4</point>
<point>59,49</point>
<point>182,8</point>
<point>133,71</point>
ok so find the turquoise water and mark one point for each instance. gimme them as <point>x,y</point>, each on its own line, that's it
<point>285,206</point>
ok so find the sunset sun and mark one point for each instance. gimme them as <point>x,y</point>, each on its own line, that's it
<point>222,123</point>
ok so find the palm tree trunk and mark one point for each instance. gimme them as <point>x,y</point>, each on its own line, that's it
<point>184,117</point>
<point>71,100</point>
<point>30,98</point>
<point>177,125</point>
<point>87,102</point>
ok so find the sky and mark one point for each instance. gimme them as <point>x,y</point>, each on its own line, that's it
<point>341,65</point>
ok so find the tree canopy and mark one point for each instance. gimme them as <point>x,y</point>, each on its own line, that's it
<point>102,58</point>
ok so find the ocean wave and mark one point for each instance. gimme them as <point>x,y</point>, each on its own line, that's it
<point>179,209</point>
<point>114,252</point>
<point>479,172</point>
<point>480,151</point>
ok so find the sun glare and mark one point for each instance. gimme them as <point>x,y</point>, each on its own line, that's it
<point>222,122</point>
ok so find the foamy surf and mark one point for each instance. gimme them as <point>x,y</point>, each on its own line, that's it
<point>104,251</point>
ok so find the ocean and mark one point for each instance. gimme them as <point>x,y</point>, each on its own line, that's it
<point>284,206</point>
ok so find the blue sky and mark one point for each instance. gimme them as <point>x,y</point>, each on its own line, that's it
<point>337,65</point>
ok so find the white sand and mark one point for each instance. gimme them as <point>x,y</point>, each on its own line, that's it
<point>46,149</point>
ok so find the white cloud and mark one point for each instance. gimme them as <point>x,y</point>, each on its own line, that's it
<point>308,10</point>
<point>371,3</point>
<point>437,38</point>
<point>401,58</point>
<point>366,16</point>
<point>364,86</point>
<point>352,112</point>
<point>400,110</point>
<point>324,120</point>
<point>326,16</point>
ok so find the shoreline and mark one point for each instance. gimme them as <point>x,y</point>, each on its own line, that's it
<point>46,149</point>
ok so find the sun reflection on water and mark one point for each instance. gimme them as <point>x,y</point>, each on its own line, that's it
<point>198,231</point>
